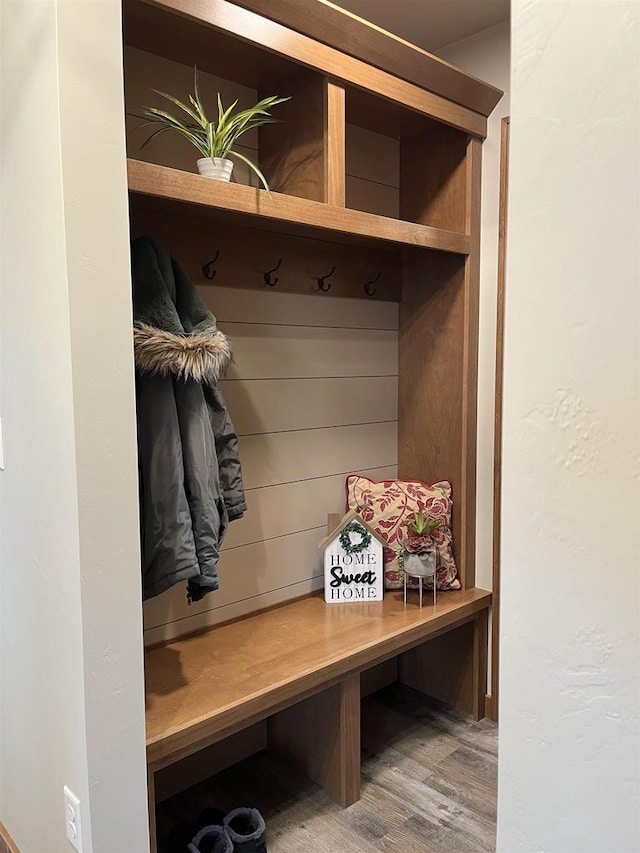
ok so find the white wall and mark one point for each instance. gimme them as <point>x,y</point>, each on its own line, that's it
<point>569,745</point>
<point>97,236</point>
<point>70,626</point>
<point>43,738</point>
<point>487,56</point>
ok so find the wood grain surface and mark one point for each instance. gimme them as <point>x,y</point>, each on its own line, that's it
<point>433,179</point>
<point>216,35</point>
<point>202,687</point>
<point>335,145</point>
<point>299,215</point>
<point>430,380</point>
<point>497,435</point>
<point>452,668</point>
<point>293,149</point>
<point>330,24</point>
<point>151,805</point>
<point>7,844</point>
<point>470,331</point>
<point>321,737</point>
<point>247,253</point>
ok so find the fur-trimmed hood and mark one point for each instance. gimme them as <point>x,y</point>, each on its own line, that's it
<point>174,331</point>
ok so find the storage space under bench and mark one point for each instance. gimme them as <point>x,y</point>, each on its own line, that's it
<point>299,667</point>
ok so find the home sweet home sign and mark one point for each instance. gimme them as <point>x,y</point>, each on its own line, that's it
<point>353,563</point>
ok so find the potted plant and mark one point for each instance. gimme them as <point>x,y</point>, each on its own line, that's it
<point>419,550</point>
<point>213,139</point>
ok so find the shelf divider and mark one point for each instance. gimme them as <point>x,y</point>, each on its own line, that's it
<point>335,169</point>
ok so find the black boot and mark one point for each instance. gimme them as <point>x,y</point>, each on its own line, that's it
<point>209,817</point>
<point>246,830</point>
<point>211,839</point>
<point>179,837</point>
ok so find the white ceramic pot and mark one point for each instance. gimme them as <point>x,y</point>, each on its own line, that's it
<point>218,168</point>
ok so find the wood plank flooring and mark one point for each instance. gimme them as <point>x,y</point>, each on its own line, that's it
<point>429,778</point>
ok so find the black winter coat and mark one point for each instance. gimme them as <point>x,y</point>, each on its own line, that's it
<point>189,470</point>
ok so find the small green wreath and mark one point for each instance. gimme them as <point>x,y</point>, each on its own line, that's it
<point>345,539</point>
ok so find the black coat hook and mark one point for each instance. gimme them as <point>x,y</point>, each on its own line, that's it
<point>322,284</point>
<point>267,276</point>
<point>369,289</point>
<point>208,270</point>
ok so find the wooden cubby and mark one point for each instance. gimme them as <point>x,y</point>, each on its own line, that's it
<point>427,160</point>
<point>420,243</point>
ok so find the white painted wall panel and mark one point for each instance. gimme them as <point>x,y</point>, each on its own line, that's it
<point>288,456</point>
<point>293,309</point>
<point>372,156</point>
<point>250,578</point>
<point>269,556</point>
<point>372,197</point>
<point>293,507</point>
<point>277,405</point>
<point>268,352</point>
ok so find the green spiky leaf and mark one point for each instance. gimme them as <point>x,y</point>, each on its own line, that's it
<point>253,166</point>
<point>211,138</point>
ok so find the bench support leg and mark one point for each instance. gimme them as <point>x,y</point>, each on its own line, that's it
<point>321,736</point>
<point>151,794</point>
<point>452,667</point>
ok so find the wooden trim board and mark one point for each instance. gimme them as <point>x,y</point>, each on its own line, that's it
<point>490,710</point>
<point>430,667</point>
<point>467,547</point>
<point>190,190</point>
<point>335,145</point>
<point>497,440</point>
<point>270,36</point>
<point>321,736</point>
<point>7,844</point>
<point>330,24</point>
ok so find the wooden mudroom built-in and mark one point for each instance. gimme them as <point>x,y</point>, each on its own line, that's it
<point>350,293</point>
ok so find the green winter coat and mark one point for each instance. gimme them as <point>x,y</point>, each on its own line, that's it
<point>189,469</point>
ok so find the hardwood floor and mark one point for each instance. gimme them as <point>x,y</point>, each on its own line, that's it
<point>429,778</point>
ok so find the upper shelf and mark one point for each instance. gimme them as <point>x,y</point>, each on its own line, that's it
<point>342,29</point>
<point>253,49</point>
<point>294,215</point>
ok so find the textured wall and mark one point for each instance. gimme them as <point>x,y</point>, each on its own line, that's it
<point>569,747</point>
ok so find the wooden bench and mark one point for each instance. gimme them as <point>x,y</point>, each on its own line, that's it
<point>299,665</point>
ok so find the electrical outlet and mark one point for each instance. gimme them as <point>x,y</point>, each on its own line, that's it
<point>72,819</point>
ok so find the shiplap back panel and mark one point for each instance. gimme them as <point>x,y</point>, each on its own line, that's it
<point>305,419</point>
<point>312,390</point>
<point>373,172</point>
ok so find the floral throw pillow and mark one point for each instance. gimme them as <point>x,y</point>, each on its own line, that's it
<point>389,505</point>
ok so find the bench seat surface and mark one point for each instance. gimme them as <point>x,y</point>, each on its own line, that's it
<point>212,681</point>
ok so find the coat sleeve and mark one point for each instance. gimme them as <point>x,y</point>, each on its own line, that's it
<point>228,454</point>
<point>209,517</point>
<point>166,538</point>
